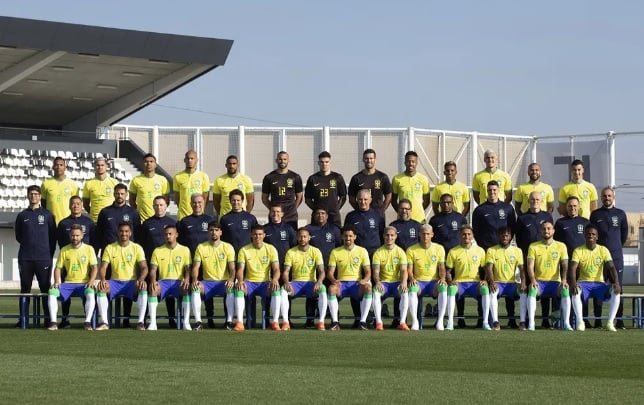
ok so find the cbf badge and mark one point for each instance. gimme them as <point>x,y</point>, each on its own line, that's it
<point>177,259</point>
<point>502,214</point>
<point>41,219</point>
<point>614,221</point>
<point>376,184</point>
<point>332,184</point>
<point>126,218</point>
<point>289,183</point>
<point>204,226</point>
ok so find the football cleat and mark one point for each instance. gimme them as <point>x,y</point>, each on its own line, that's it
<point>321,326</point>
<point>379,327</point>
<point>275,326</point>
<point>239,326</point>
<point>103,326</point>
<point>198,327</point>
<point>87,326</point>
<point>140,326</point>
<point>335,326</point>
<point>403,326</point>
<point>286,326</point>
<point>52,326</point>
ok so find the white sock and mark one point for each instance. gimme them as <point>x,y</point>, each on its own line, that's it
<point>185,311</point>
<point>196,305</point>
<point>565,311</point>
<point>90,304</point>
<point>523,306</point>
<point>142,305</point>
<point>322,306</point>
<point>613,306</point>
<point>485,305</point>
<point>333,308</point>
<point>494,305</point>
<point>102,303</point>
<point>153,303</point>
<point>442,306</point>
<point>377,307</point>
<point>577,308</point>
<point>412,298</point>
<point>240,307</point>
<point>532,309</point>
<point>404,306</point>
<point>365,306</point>
<point>52,301</point>
<point>230,307</point>
<point>451,305</point>
<point>285,306</point>
<point>276,301</point>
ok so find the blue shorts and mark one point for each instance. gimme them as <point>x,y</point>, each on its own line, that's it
<point>68,290</point>
<point>508,289</point>
<point>594,289</point>
<point>257,289</point>
<point>126,288</point>
<point>390,289</point>
<point>351,288</point>
<point>303,288</point>
<point>212,288</point>
<point>548,289</point>
<point>468,289</point>
<point>428,288</point>
<point>169,288</point>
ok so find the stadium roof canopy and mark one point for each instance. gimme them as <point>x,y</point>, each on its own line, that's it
<point>79,77</point>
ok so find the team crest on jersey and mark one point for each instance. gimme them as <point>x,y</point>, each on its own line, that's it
<point>83,259</point>
<point>240,186</point>
<point>244,224</point>
<point>412,233</point>
<point>376,184</point>
<point>328,237</point>
<point>83,228</point>
<point>264,259</point>
<point>126,218</point>
<point>454,225</point>
<point>197,183</point>
<point>309,261</point>
<point>332,184</point>
<point>457,194</point>
<point>475,258</point>
<point>372,223</point>
<point>396,260</point>
<point>289,183</point>
<point>417,186</point>
<point>283,235</point>
<point>513,259</point>
<point>157,187</point>
<point>67,190</point>
<point>585,194</point>
<point>129,257</point>
<point>108,190</point>
<point>598,260</point>
<point>41,219</point>
<point>555,255</point>
<point>543,194</point>
<point>500,184</point>
<point>580,229</point>
<point>614,221</point>
<point>204,226</point>
<point>502,214</point>
<point>177,259</point>
<point>221,256</point>
<point>356,260</point>
<point>434,258</point>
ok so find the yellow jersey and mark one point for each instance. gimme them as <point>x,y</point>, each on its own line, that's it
<point>584,191</point>
<point>412,188</point>
<point>591,262</point>
<point>77,262</point>
<point>349,262</point>
<point>57,193</point>
<point>146,189</point>
<point>171,263</point>
<point>459,192</point>
<point>480,180</point>
<point>465,262</point>
<point>547,259</point>
<point>522,195</point>
<point>424,262</point>
<point>504,261</point>
<point>258,262</point>
<point>100,194</point>
<point>389,263</point>
<point>123,260</point>
<point>224,184</point>
<point>187,184</point>
<point>214,260</point>
<point>303,263</point>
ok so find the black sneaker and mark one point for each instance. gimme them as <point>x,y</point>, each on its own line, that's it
<point>211,324</point>
<point>461,324</point>
<point>335,326</point>
<point>126,323</point>
<point>227,325</point>
<point>356,325</point>
<point>309,324</point>
<point>172,324</point>
<point>598,324</point>
<point>620,325</point>
<point>64,324</point>
<point>512,324</point>
<point>545,324</point>
<point>140,326</point>
<point>363,326</point>
<point>587,324</point>
<point>395,324</point>
<point>87,326</point>
<point>198,326</point>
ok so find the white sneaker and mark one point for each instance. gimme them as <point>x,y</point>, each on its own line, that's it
<point>186,326</point>
<point>581,327</point>
<point>611,327</point>
<point>152,326</point>
<point>415,326</point>
<point>450,326</point>
<point>568,327</point>
<point>439,326</point>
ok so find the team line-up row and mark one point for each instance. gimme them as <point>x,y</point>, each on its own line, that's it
<point>490,216</point>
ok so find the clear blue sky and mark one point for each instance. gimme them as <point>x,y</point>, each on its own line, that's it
<point>538,68</point>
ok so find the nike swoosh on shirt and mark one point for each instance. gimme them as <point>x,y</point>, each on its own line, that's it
<point>274,182</point>
<point>316,184</point>
<point>25,220</point>
<point>361,184</point>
